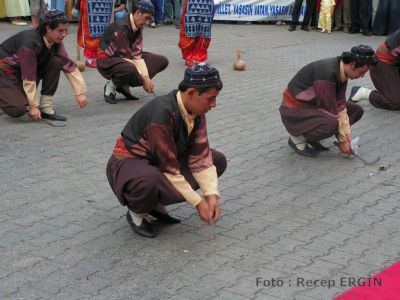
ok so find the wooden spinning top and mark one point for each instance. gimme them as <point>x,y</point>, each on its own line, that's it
<point>239,64</point>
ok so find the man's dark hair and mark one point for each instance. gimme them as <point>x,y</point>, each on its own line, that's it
<point>52,19</point>
<point>183,86</point>
<point>362,55</point>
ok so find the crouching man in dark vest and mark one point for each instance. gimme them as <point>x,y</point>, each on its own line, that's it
<point>314,105</point>
<point>31,56</point>
<point>163,154</point>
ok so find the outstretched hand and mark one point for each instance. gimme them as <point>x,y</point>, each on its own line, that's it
<point>215,209</point>
<point>81,101</point>
<point>148,85</point>
<point>34,113</point>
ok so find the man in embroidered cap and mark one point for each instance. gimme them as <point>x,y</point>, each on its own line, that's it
<point>385,77</point>
<point>163,155</point>
<point>31,56</point>
<point>120,57</point>
<point>314,105</point>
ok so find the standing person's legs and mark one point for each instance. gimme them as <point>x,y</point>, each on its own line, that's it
<point>308,14</point>
<point>346,16</point>
<point>355,19</point>
<point>159,11</point>
<point>394,17</point>
<point>168,11</point>
<point>177,12</point>
<point>186,44</point>
<point>380,23</point>
<point>338,18</point>
<point>365,16</point>
<point>37,9</point>
<point>200,53</point>
<point>295,14</point>
<point>13,99</point>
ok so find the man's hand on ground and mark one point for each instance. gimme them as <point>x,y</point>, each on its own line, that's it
<point>345,147</point>
<point>215,209</point>
<point>81,101</point>
<point>204,211</point>
<point>34,113</point>
<point>148,85</point>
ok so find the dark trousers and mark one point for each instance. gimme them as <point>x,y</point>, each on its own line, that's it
<point>361,15</point>
<point>316,125</point>
<point>307,16</point>
<point>141,186</point>
<point>386,79</point>
<point>13,99</point>
<point>387,18</point>
<point>124,73</point>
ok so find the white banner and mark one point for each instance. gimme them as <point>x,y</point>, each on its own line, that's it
<point>255,10</point>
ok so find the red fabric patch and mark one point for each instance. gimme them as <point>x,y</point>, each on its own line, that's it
<point>382,286</point>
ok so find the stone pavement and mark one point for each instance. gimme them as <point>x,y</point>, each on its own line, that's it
<point>286,219</point>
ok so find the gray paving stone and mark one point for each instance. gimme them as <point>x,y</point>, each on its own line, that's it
<point>64,233</point>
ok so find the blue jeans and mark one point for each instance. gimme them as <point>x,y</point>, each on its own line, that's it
<point>159,11</point>
<point>58,4</point>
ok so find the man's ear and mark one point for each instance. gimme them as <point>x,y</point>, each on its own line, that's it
<point>191,91</point>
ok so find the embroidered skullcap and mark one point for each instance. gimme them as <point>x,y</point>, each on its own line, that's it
<point>145,6</point>
<point>201,74</point>
<point>364,54</point>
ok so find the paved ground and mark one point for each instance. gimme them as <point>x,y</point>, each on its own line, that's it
<point>286,218</point>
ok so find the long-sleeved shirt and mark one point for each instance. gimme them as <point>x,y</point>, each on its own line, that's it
<point>123,39</point>
<point>26,52</point>
<point>163,132</point>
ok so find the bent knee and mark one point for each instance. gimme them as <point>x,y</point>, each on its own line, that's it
<point>15,112</point>
<point>164,62</point>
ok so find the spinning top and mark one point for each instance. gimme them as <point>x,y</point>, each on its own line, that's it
<point>239,64</point>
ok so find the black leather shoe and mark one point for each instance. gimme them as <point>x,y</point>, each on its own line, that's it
<point>166,218</point>
<point>127,94</point>
<point>305,28</point>
<point>292,27</point>
<point>354,30</point>
<point>318,146</point>
<point>307,151</point>
<point>145,229</point>
<point>366,33</point>
<point>354,90</point>
<point>53,117</point>
<point>109,98</point>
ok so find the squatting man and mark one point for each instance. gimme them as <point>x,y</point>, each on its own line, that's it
<point>31,56</point>
<point>163,154</point>
<point>314,105</point>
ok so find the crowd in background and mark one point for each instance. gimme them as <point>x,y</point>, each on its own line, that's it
<point>378,17</point>
<point>167,12</point>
